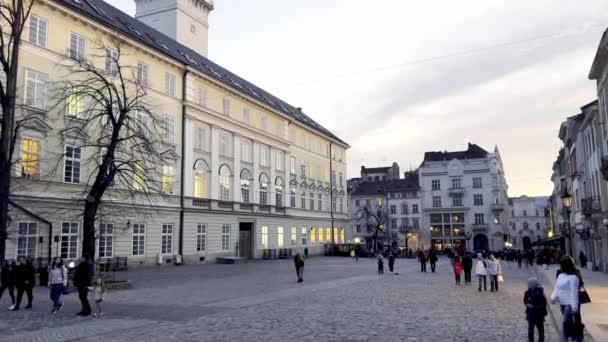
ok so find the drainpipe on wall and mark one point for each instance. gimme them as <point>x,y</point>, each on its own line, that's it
<point>183,168</point>
<point>331,192</point>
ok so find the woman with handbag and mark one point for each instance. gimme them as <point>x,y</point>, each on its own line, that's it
<point>566,293</point>
<point>58,282</point>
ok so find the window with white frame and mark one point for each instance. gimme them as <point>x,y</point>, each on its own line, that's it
<point>139,239</point>
<point>245,115</point>
<point>246,151</point>
<point>265,237</point>
<point>479,218</point>
<point>201,179</point>
<point>226,106</point>
<point>138,175</point>
<point>27,237</point>
<point>106,240</point>
<point>280,237</point>
<point>455,183</point>
<point>75,103</point>
<point>280,160</point>
<point>202,96</point>
<point>201,237</point>
<point>168,179</point>
<point>414,208</point>
<point>111,61</point>
<point>71,164</point>
<point>264,155</point>
<point>292,196</point>
<point>38,31</point>
<point>226,237</point>
<point>278,188</point>
<point>225,180</point>
<point>294,236</point>
<point>225,145</point>
<point>143,71</point>
<point>478,199</point>
<point>166,239</point>
<point>35,88</point>
<point>436,201</point>
<point>303,169</point>
<point>245,186</point>
<point>304,236</point>
<point>263,123</point>
<point>142,120</point>
<point>170,84</point>
<point>292,165</point>
<point>320,201</point>
<point>435,184</point>
<point>78,45</point>
<point>477,183</point>
<point>169,128</point>
<point>457,200</point>
<point>69,240</point>
<point>303,199</point>
<point>201,138</point>
<point>30,158</point>
<point>264,182</point>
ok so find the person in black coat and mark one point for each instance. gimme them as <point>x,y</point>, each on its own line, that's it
<point>299,264</point>
<point>391,261</point>
<point>422,260</point>
<point>432,259</point>
<point>467,265</point>
<point>82,281</point>
<point>7,280</point>
<point>536,309</point>
<point>25,276</point>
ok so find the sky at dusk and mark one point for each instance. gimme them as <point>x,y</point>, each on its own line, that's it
<point>397,78</point>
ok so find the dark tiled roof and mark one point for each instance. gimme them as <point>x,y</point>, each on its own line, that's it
<point>125,24</point>
<point>395,185</point>
<point>473,152</point>
<point>375,169</point>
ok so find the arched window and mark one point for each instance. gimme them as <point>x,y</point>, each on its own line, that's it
<point>278,188</point>
<point>201,188</point>
<point>264,189</point>
<point>245,185</point>
<point>292,193</point>
<point>225,180</point>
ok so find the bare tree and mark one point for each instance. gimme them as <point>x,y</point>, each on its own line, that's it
<point>107,117</point>
<point>13,17</point>
<point>375,222</point>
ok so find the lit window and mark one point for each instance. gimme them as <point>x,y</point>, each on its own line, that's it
<point>30,158</point>
<point>138,175</point>
<point>280,237</point>
<point>313,236</point>
<point>168,179</point>
<point>78,46</point>
<point>320,234</point>
<point>200,180</point>
<point>26,239</point>
<point>201,237</point>
<point>139,238</point>
<point>75,103</point>
<point>264,237</point>
<point>71,170</point>
<point>304,241</point>
<point>328,234</point>
<point>245,185</point>
<point>225,237</point>
<point>170,84</point>
<point>106,240</point>
<point>35,89</point>
<point>69,240</point>
<point>166,239</point>
<point>38,31</point>
<point>294,236</point>
<point>342,239</point>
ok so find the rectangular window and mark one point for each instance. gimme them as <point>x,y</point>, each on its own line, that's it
<point>75,105</point>
<point>292,165</point>
<point>404,209</point>
<point>292,197</point>
<point>264,154</point>
<point>303,170</point>
<point>479,218</point>
<point>169,127</point>
<point>142,119</point>
<point>69,240</point>
<point>320,200</point>
<point>35,89</point>
<point>78,46</point>
<point>143,71</point>
<point>393,209</point>
<point>38,31</point>
<point>279,160</point>
<point>166,239</point>
<point>264,124</point>
<point>477,199</point>
<point>71,164</point>
<point>436,184</point>
<point>457,201</point>
<point>201,237</point>
<point>294,236</point>
<point>304,235</point>
<point>358,229</point>
<point>111,61</point>
<point>246,151</point>
<point>246,115</point>
<point>328,234</point>
<point>313,235</point>
<point>393,224</point>
<point>202,96</point>
<point>27,239</point>
<point>416,223</point>
<point>106,240</point>
<point>225,237</point>
<point>170,84</point>
<point>168,179</point>
<point>263,193</point>
<point>455,183</point>
<point>265,237</point>
<point>357,203</point>
<point>436,201</point>
<point>414,208</point>
<point>312,201</point>
<point>226,107</point>
<point>280,237</point>
<point>225,145</point>
<point>138,175</point>
<point>139,238</point>
<point>201,138</point>
<point>477,183</point>
<point>30,158</point>
<point>303,200</point>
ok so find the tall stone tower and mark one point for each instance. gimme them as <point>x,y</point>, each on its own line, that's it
<point>186,21</point>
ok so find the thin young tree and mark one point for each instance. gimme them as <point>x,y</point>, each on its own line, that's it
<point>374,221</point>
<point>108,119</point>
<point>13,18</point>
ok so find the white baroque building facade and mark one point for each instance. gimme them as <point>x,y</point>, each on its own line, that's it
<point>243,171</point>
<point>527,221</point>
<point>464,200</point>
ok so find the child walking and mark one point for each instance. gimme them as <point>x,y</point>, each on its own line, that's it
<point>99,291</point>
<point>536,309</point>
<point>380,263</point>
<point>457,265</point>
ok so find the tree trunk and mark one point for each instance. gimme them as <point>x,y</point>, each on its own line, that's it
<point>88,229</point>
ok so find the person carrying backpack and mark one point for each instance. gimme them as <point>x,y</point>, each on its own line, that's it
<point>536,309</point>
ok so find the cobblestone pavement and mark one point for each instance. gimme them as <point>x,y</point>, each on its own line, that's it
<point>340,300</point>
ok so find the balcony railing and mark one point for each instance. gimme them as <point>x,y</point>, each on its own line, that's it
<point>591,205</point>
<point>480,227</point>
<point>456,191</point>
<point>497,206</point>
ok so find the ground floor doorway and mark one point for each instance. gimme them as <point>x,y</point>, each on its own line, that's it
<point>480,242</point>
<point>245,240</point>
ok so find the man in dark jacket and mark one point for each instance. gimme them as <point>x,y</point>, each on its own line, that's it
<point>422,260</point>
<point>24,280</point>
<point>467,264</point>
<point>82,281</point>
<point>433,259</point>
<point>299,264</point>
<point>536,309</point>
<point>7,280</point>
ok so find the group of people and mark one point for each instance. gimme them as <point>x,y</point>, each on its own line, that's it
<point>22,277</point>
<point>488,267</point>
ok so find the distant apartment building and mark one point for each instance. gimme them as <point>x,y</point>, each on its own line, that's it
<point>527,221</point>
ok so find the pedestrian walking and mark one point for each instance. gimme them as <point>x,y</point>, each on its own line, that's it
<point>7,281</point>
<point>422,260</point>
<point>481,270</point>
<point>99,291</point>
<point>467,265</point>
<point>82,281</point>
<point>457,265</point>
<point>536,309</point>
<point>433,259</point>
<point>380,260</point>
<point>25,277</point>
<point>583,259</point>
<point>391,261</point>
<point>298,262</point>
<point>494,271</point>
<point>565,293</point>
<point>58,281</point>
<point>306,253</point>
<point>352,254</point>
<point>520,258</point>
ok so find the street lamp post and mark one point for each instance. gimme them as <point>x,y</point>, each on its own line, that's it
<point>567,202</point>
